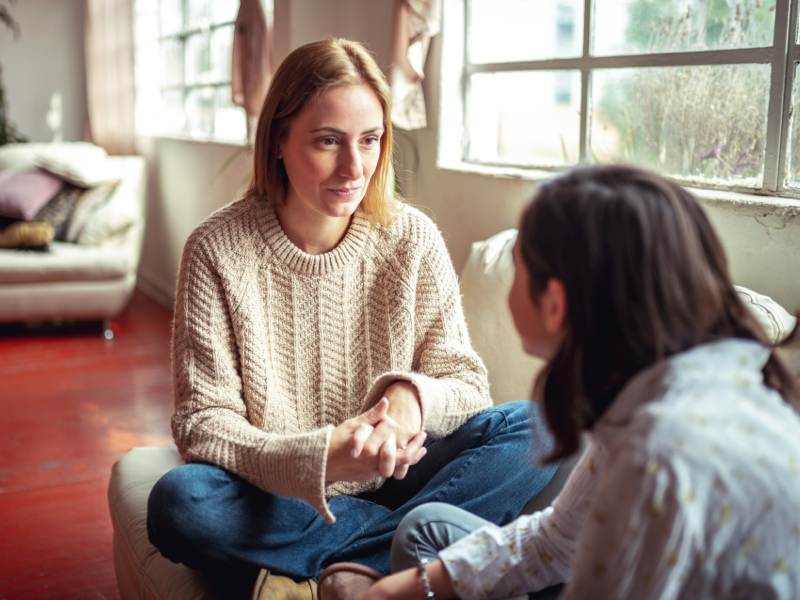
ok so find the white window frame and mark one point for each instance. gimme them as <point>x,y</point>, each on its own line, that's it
<point>184,88</point>
<point>456,70</point>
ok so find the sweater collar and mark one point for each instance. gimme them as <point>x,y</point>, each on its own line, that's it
<point>310,264</point>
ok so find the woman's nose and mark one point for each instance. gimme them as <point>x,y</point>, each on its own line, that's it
<point>350,163</point>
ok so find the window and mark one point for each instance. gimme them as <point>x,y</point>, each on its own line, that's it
<point>704,91</point>
<point>183,69</point>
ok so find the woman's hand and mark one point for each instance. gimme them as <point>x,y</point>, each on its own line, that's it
<point>407,585</point>
<point>404,409</point>
<point>365,447</point>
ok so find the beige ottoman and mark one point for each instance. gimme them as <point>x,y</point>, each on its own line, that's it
<point>142,573</point>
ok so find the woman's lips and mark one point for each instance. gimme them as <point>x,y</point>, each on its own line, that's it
<point>345,192</point>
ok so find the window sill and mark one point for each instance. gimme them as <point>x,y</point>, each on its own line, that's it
<point>188,138</point>
<point>779,209</point>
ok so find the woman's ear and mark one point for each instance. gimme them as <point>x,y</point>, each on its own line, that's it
<point>553,304</point>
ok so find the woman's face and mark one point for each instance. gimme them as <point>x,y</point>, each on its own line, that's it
<point>331,152</point>
<point>539,324</point>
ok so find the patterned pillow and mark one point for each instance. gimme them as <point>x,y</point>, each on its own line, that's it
<point>88,201</point>
<point>27,234</point>
<point>59,210</point>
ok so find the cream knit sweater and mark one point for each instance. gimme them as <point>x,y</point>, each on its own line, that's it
<point>273,347</point>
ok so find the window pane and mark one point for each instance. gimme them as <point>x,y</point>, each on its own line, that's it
<point>516,30</point>
<point>171,15</point>
<point>793,174</point>
<point>230,122</point>
<point>222,52</point>
<point>224,11</point>
<point>200,111</point>
<point>208,56</point>
<point>198,59</point>
<point>172,62</point>
<point>201,14</point>
<point>172,117</point>
<point>524,118</point>
<point>637,26</point>
<point>704,123</point>
<point>198,14</point>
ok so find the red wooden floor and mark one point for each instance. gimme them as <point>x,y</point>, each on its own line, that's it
<point>71,403</point>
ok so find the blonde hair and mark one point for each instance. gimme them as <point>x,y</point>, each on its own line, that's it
<point>303,77</point>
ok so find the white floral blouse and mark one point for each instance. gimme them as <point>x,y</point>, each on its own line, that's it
<point>690,490</point>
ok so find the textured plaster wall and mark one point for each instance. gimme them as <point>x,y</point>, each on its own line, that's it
<point>46,59</point>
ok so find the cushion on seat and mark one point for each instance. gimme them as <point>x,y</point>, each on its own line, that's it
<point>485,282</point>
<point>66,262</point>
<point>141,570</point>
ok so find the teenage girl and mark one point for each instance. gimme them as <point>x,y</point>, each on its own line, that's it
<point>691,485</point>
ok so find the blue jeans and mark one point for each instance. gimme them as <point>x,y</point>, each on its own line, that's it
<point>212,520</point>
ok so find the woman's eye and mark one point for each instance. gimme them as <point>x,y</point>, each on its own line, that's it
<point>372,140</point>
<point>328,141</point>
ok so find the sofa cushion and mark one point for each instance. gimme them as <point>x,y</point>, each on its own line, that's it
<point>22,156</point>
<point>66,262</point>
<point>775,320</point>
<point>110,218</point>
<point>85,174</point>
<point>485,282</point>
<point>24,193</point>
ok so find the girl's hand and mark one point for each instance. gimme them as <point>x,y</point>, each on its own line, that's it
<point>365,447</point>
<point>407,585</point>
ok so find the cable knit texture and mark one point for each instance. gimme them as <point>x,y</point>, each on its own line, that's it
<point>273,347</point>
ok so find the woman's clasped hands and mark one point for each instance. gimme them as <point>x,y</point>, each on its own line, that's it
<point>382,442</point>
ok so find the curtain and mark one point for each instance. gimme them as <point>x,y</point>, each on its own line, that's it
<point>110,91</point>
<point>252,61</point>
<point>415,23</point>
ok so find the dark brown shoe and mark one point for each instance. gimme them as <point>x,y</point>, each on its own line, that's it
<point>270,586</point>
<point>346,581</point>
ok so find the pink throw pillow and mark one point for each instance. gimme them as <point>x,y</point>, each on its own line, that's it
<point>24,193</point>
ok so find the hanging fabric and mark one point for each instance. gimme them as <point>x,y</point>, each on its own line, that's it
<point>110,90</point>
<point>415,23</point>
<point>252,61</point>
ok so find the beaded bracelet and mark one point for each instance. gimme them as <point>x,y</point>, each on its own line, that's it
<point>426,581</point>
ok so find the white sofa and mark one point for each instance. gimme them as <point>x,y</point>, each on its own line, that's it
<point>143,573</point>
<point>94,278</point>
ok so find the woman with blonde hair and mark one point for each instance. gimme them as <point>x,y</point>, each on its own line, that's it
<point>323,376</point>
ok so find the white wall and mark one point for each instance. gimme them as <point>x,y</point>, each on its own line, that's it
<point>46,59</point>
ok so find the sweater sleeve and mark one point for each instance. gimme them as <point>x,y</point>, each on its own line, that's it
<point>449,375</point>
<point>210,423</point>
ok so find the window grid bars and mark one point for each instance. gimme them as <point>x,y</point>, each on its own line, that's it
<point>782,55</point>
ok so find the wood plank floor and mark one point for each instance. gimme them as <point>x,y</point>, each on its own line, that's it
<point>72,403</point>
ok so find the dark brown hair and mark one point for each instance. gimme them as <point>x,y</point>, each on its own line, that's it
<point>645,276</point>
<point>303,77</point>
